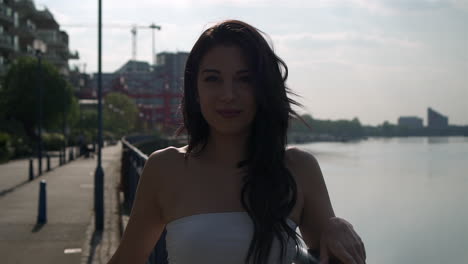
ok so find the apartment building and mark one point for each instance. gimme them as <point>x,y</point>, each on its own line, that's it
<point>23,28</point>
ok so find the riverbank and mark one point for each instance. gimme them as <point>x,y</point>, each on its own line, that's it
<point>309,138</point>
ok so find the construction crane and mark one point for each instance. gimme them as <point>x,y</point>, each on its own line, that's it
<point>153,27</point>
<point>133,29</point>
<point>134,40</point>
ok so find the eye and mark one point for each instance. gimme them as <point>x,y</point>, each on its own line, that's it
<point>211,79</point>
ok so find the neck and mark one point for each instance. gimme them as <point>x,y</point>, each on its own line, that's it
<point>226,150</point>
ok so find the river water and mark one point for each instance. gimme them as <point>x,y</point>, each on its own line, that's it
<point>406,197</point>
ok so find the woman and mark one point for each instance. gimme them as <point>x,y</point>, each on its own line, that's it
<point>235,194</point>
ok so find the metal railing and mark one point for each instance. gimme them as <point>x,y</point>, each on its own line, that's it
<point>6,13</point>
<point>6,41</point>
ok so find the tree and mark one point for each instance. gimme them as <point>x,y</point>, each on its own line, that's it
<point>19,95</point>
<point>388,130</point>
<point>119,113</point>
<point>89,124</point>
<point>346,128</point>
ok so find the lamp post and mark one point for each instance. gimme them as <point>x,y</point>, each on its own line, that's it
<point>81,139</point>
<point>99,173</point>
<point>64,127</point>
<point>40,48</point>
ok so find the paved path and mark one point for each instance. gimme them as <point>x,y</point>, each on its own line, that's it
<point>69,212</point>
<point>15,173</point>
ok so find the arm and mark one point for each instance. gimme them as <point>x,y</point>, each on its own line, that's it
<point>145,224</point>
<point>321,230</point>
<point>317,208</point>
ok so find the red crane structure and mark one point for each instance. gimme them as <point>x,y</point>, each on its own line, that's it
<point>156,101</point>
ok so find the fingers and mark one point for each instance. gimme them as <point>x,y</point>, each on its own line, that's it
<point>349,255</point>
<point>342,242</point>
<point>354,244</point>
<point>358,246</point>
<point>361,250</point>
<point>339,251</point>
<point>323,254</point>
<point>353,247</point>
<point>357,255</point>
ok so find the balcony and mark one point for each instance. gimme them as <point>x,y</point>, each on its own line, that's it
<point>6,43</point>
<point>6,14</point>
<point>54,58</point>
<point>26,31</point>
<point>24,5</point>
<point>52,38</point>
<point>74,55</point>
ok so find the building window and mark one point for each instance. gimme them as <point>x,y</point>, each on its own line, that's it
<point>15,19</point>
<point>16,43</point>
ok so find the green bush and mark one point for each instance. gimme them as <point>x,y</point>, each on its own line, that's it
<point>20,142</point>
<point>22,147</point>
<point>53,141</point>
<point>6,150</point>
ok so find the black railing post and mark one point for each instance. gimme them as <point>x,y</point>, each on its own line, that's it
<point>48,162</point>
<point>31,170</point>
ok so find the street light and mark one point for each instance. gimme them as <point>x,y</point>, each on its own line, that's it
<point>40,48</point>
<point>64,124</point>
<point>99,173</point>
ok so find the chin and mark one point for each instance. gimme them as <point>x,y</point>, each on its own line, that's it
<point>230,130</point>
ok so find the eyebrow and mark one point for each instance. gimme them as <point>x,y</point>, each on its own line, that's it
<point>216,71</point>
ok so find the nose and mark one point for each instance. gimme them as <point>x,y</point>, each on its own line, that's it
<point>228,91</point>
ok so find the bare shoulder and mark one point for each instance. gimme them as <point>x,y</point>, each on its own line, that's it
<point>305,168</point>
<point>300,161</point>
<point>166,158</point>
<point>165,163</point>
<point>166,154</point>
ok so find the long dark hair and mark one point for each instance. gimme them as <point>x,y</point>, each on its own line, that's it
<point>269,190</point>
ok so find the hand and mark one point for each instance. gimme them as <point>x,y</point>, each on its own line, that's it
<point>339,240</point>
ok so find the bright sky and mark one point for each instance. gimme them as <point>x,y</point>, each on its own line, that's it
<point>372,59</point>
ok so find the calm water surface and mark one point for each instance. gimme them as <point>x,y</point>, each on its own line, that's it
<point>406,197</point>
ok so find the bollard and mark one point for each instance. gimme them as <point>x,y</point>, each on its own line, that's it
<point>42,213</point>
<point>70,158</point>
<point>31,170</point>
<point>39,167</point>
<point>62,157</point>
<point>48,162</point>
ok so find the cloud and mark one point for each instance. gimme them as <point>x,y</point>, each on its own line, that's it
<point>394,7</point>
<point>347,37</point>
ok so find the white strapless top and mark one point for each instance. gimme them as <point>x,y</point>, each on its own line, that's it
<point>213,238</point>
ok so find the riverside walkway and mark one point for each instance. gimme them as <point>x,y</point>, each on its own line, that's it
<point>68,235</point>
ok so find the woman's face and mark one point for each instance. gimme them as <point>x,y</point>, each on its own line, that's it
<point>225,90</point>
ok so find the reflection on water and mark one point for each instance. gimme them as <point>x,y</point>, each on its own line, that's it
<point>406,197</point>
